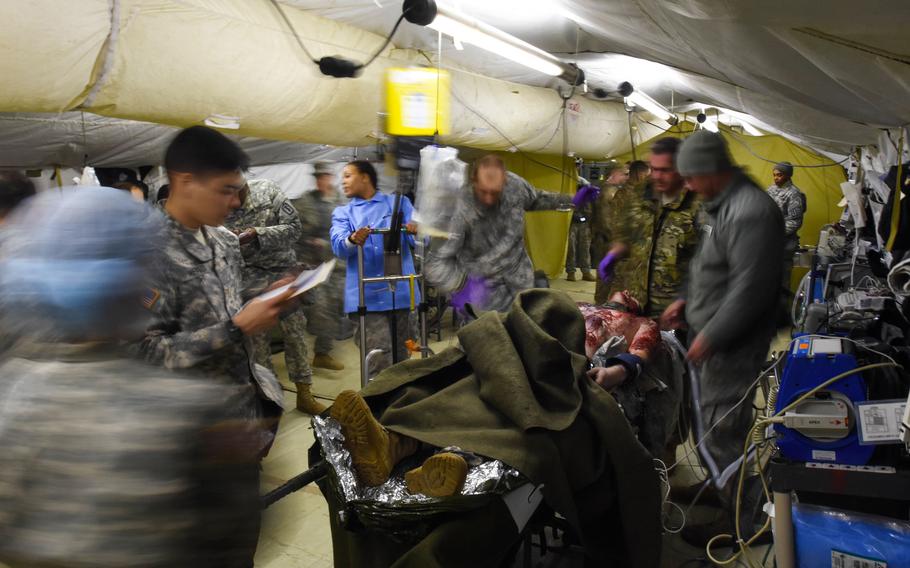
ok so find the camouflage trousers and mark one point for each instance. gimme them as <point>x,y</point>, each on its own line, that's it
<point>293,327</point>
<point>578,254</point>
<point>324,315</point>
<point>379,336</point>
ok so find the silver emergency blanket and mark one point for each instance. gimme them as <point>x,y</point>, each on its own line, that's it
<point>484,475</point>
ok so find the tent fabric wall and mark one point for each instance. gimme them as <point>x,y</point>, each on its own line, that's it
<point>178,62</point>
<point>546,232</point>
<point>827,76</point>
<point>50,50</point>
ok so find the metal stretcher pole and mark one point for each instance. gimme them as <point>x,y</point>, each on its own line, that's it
<point>362,316</point>
<point>422,309</point>
<point>362,308</point>
<point>315,473</point>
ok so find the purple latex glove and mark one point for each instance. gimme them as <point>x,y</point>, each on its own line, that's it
<point>475,292</point>
<point>585,194</point>
<point>607,266</point>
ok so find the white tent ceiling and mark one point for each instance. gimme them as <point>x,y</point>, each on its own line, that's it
<point>828,73</point>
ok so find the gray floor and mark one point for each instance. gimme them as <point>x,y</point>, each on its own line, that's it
<point>295,530</point>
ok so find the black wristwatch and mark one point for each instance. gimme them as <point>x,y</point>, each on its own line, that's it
<point>234,332</point>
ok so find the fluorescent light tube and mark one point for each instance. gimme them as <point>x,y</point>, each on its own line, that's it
<point>475,32</point>
<point>642,100</point>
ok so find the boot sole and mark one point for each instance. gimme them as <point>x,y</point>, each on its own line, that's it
<point>442,475</point>
<point>364,438</point>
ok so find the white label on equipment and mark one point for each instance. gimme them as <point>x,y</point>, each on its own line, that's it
<point>824,455</point>
<point>880,421</point>
<point>843,560</point>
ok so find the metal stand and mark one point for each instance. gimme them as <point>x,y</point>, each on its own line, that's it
<point>315,473</point>
<point>362,308</point>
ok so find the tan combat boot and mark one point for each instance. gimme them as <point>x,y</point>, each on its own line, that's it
<point>588,276</point>
<point>442,475</point>
<point>374,450</point>
<point>570,276</point>
<point>305,401</point>
<point>326,361</point>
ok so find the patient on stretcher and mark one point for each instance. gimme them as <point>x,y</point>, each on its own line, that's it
<point>516,390</point>
<point>375,451</point>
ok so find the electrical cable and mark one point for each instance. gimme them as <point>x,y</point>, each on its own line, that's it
<point>736,136</point>
<point>664,477</point>
<point>505,137</point>
<point>354,66</point>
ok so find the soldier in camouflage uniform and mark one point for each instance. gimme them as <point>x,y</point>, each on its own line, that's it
<point>605,218</point>
<point>578,253</point>
<point>106,461</point>
<point>324,315</point>
<point>657,234</point>
<point>198,320</point>
<point>268,227</point>
<point>792,204</point>
<point>487,242</point>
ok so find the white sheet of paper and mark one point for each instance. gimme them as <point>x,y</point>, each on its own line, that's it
<point>306,280</point>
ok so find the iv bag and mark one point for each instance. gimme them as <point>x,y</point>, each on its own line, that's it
<point>440,182</point>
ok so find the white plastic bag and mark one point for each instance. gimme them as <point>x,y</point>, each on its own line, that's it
<point>439,184</point>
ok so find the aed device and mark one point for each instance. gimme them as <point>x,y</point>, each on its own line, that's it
<point>417,101</point>
<point>823,427</point>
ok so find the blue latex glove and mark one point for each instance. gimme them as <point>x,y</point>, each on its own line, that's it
<point>586,194</point>
<point>607,266</point>
<point>474,292</point>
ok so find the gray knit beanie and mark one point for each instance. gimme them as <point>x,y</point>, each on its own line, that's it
<point>785,168</point>
<point>703,153</point>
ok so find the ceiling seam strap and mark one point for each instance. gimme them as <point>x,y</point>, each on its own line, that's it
<point>107,55</point>
<point>900,58</point>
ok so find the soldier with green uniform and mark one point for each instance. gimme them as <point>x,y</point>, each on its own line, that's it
<point>606,215</point>
<point>324,316</point>
<point>268,228</point>
<point>656,235</point>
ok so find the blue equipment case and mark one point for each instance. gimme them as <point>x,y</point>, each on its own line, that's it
<point>805,369</point>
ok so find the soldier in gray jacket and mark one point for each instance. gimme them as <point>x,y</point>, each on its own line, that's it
<point>733,289</point>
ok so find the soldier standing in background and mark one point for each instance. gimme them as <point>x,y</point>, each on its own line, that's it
<point>268,227</point>
<point>792,204</point>
<point>578,253</point>
<point>106,461</point>
<point>324,315</point>
<point>656,234</point>
<point>605,217</point>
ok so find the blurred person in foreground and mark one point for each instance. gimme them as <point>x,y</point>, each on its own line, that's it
<point>105,461</point>
<point>15,188</point>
